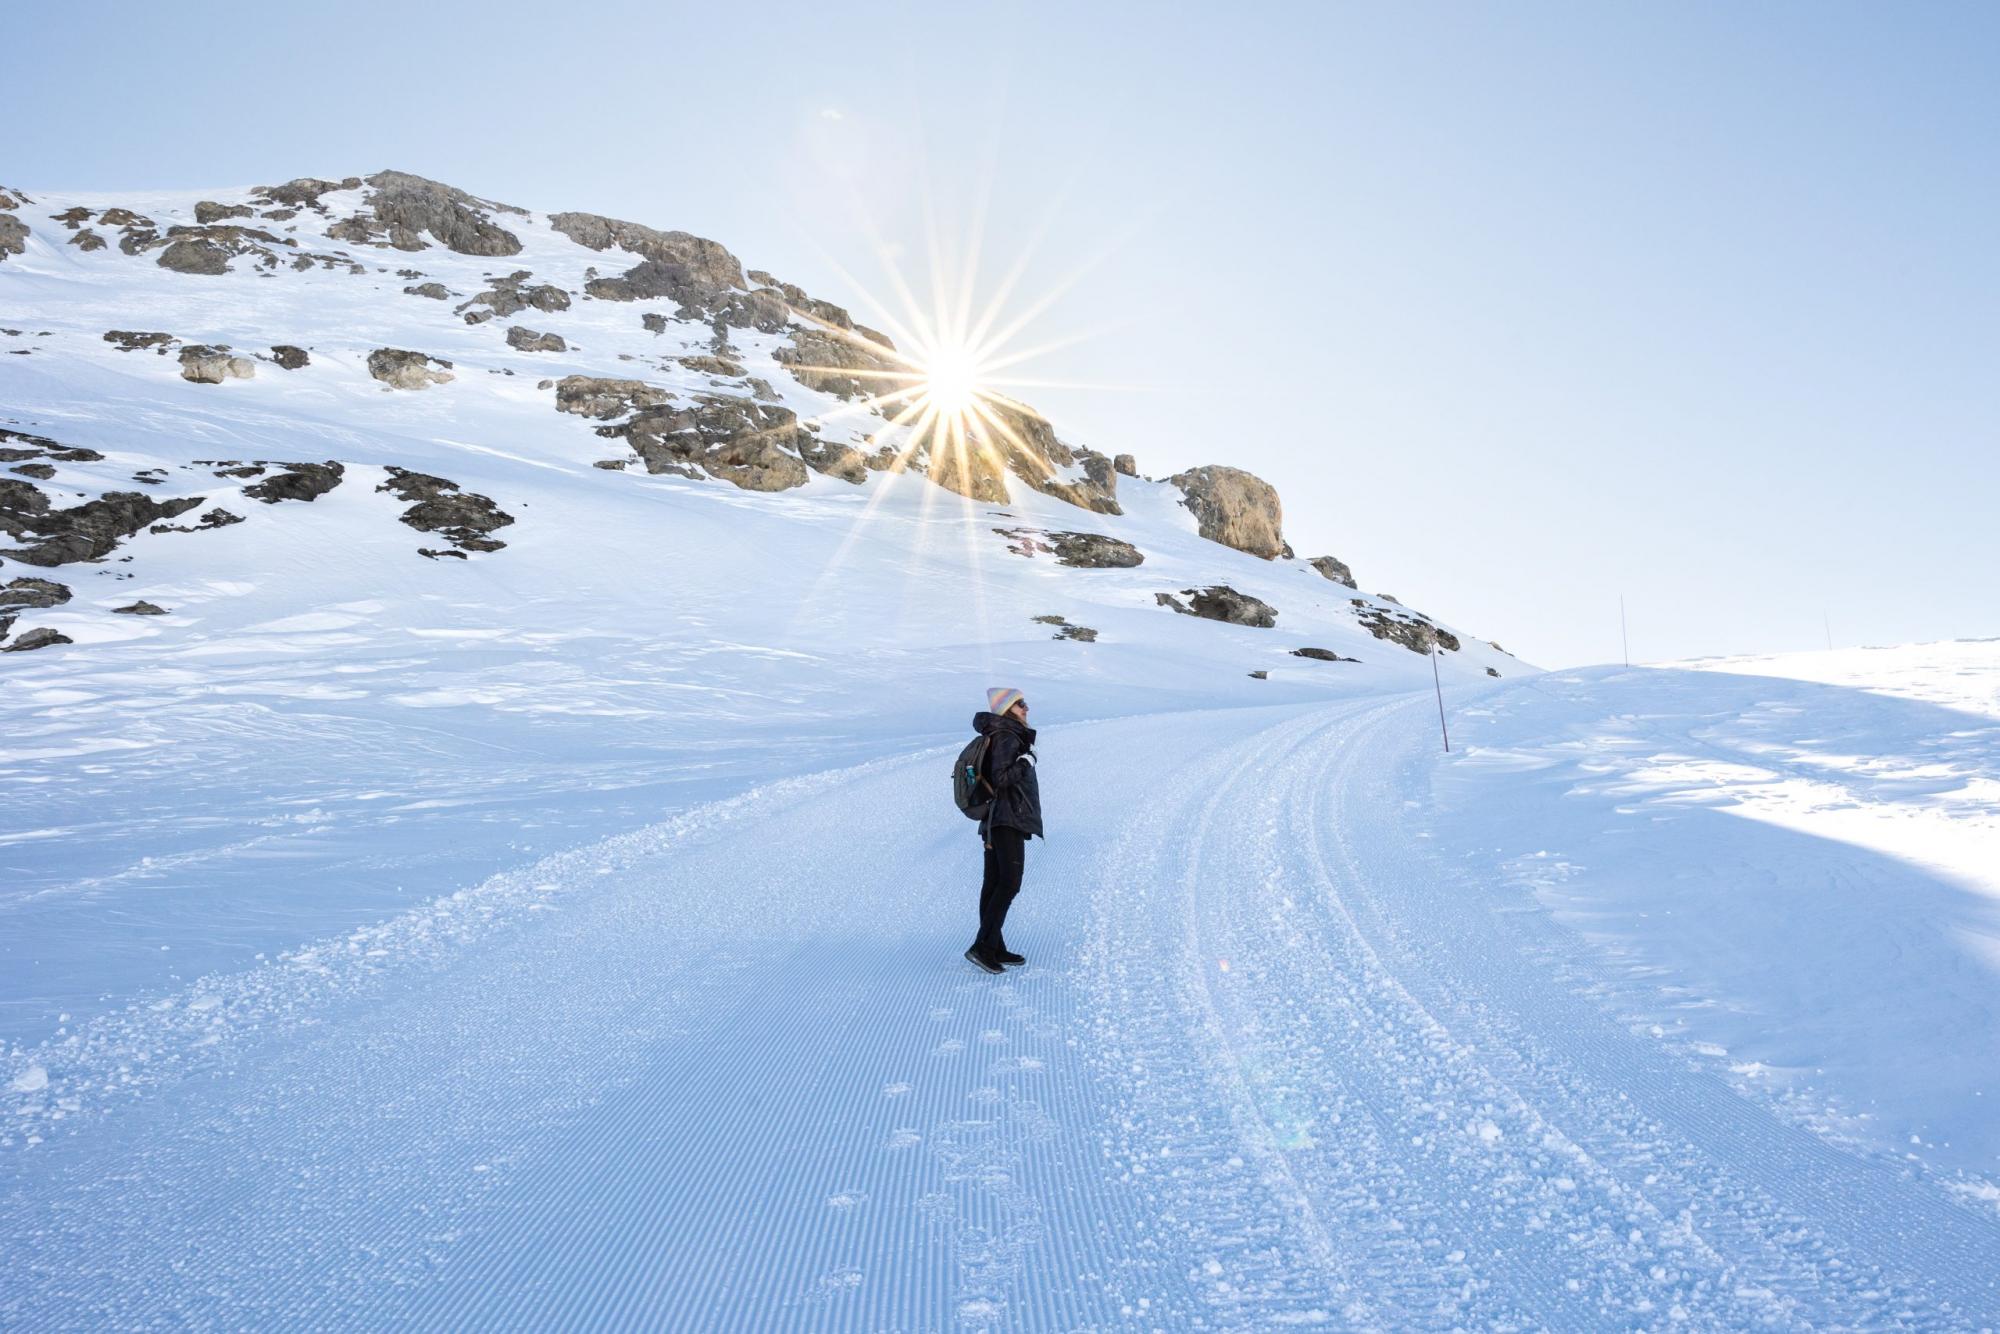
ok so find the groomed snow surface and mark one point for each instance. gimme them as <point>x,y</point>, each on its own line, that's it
<point>1621,1015</point>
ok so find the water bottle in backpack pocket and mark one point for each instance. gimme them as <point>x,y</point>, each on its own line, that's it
<point>969,787</point>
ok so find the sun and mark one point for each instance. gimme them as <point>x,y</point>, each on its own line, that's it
<point>951,382</point>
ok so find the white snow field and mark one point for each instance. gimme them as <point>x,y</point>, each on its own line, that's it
<point>569,936</point>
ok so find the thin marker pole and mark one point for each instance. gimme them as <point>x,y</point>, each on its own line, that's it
<point>1827,622</point>
<point>1623,642</point>
<point>1439,687</point>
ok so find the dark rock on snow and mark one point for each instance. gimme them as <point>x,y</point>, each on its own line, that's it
<point>42,637</point>
<point>1334,570</point>
<point>402,369</point>
<point>1219,602</point>
<point>527,340</point>
<point>439,506</point>
<point>1090,551</point>
<point>300,481</point>
<point>141,608</point>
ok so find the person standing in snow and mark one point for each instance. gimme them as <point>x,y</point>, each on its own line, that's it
<point>1014,817</point>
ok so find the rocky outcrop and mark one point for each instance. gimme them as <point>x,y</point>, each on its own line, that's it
<point>844,365</point>
<point>1125,465</point>
<point>304,192</point>
<point>1087,551</point>
<point>700,263</point>
<point>127,341</point>
<point>714,366</point>
<point>81,532</point>
<point>208,212</point>
<point>1321,655</point>
<point>511,295</point>
<point>402,369</point>
<point>527,340</point>
<point>603,399</point>
<point>289,358</point>
<point>973,470</point>
<point>433,291</point>
<point>1333,569</point>
<point>140,608</point>
<point>1026,442</point>
<point>1234,508</point>
<point>194,255</point>
<point>757,446</point>
<point>201,364</point>
<point>13,236</point>
<point>843,461</point>
<point>41,472</point>
<point>215,518</point>
<point>400,209</point>
<point>28,592</point>
<point>1413,630</point>
<point>299,481</point>
<point>1219,602</point>
<point>754,445</point>
<point>439,506</point>
<point>87,241</point>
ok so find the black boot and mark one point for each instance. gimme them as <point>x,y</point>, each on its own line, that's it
<point>981,959</point>
<point>1007,956</point>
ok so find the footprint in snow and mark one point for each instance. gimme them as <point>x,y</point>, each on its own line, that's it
<point>896,1090</point>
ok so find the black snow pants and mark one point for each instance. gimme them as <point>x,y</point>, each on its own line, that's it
<point>1006,855</point>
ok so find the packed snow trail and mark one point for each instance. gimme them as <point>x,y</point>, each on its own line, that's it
<point>1272,1062</point>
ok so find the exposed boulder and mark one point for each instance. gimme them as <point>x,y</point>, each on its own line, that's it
<point>27,592</point>
<point>439,506</point>
<point>1493,671</point>
<point>434,291</point>
<point>208,211</point>
<point>1219,602</point>
<point>1125,465</point>
<point>81,532</point>
<point>1413,630</point>
<point>603,399</point>
<point>527,340</point>
<point>402,369</point>
<point>212,365</point>
<point>1260,676</point>
<point>193,255</point>
<point>400,208</point>
<point>127,341</point>
<point>1088,551</point>
<point>654,322</point>
<point>288,357</point>
<point>140,608</point>
<point>41,472</point>
<point>1333,569</point>
<point>12,199</point>
<point>1321,655</point>
<point>1234,508</point>
<point>13,236</point>
<point>299,481</point>
<point>87,241</point>
<point>42,637</point>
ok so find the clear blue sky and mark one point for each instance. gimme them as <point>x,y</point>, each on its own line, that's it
<point>1521,306</point>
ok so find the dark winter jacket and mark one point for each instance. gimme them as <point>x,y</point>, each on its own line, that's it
<point>1010,768</point>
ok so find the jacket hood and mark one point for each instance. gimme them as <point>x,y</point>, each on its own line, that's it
<point>986,723</point>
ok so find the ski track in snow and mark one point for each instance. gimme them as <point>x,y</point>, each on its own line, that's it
<point>1273,1062</point>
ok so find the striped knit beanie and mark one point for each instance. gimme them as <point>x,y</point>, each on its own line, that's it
<point>1002,698</point>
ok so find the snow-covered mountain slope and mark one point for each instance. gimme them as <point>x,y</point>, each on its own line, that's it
<point>565,933</point>
<point>326,725</point>
<point>1285,1053</point>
